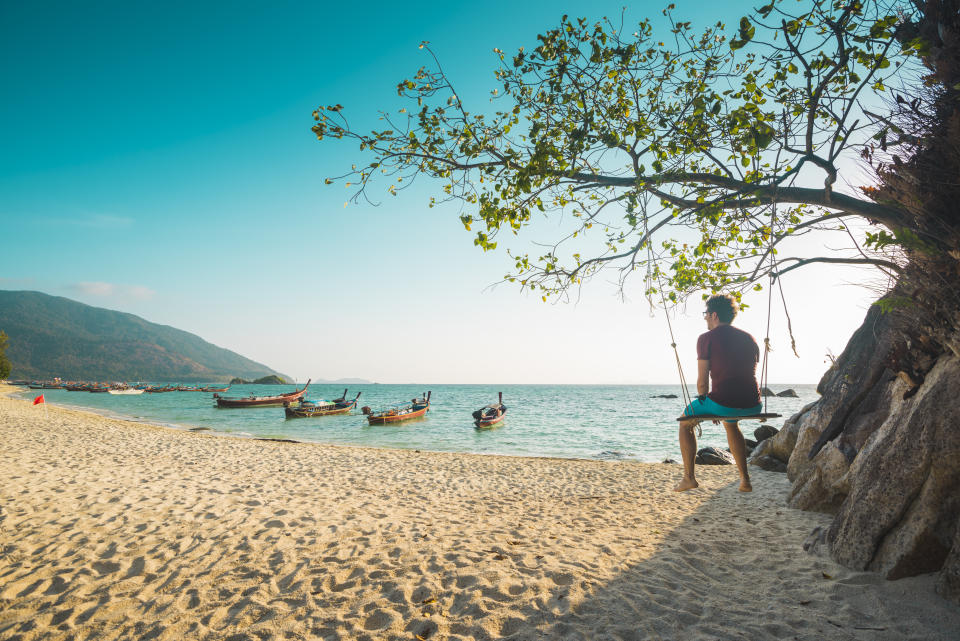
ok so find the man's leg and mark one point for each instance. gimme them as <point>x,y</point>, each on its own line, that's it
<point>688,451</point>
<point>739,450</point>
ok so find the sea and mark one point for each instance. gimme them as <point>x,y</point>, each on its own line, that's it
<point>600,422</point>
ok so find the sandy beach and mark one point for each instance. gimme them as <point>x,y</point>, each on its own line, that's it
<point>119,530</point>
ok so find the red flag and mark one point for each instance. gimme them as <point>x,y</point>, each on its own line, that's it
<point>38,400</point>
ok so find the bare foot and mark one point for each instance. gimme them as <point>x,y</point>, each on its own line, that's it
<point>686,484</point>
<point>745,486</point>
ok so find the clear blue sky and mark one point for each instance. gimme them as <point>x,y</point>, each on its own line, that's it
<point>157,159</point>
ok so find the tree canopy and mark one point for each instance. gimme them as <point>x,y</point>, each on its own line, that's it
<point>690,155</point>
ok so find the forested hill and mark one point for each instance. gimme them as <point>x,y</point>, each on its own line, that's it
<point>54,336</point>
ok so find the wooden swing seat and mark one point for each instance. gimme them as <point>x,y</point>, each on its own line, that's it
<point>714,417</point>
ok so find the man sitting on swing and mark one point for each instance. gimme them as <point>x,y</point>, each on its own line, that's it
<point>727,357</point>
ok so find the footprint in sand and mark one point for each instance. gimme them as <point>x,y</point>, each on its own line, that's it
<point>57,585</point>
<point>137,567</point>
<point>563,579</point>
<point>106,567</point>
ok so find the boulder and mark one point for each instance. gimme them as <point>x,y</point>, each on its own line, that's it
<point>864,363</point>
<point>762,449</point>
<point>783,442</point>
<point>788,393</point>
<point>823,486</point>
<point>816,542</point>
<point>714,456</point>
<point>901,515</point>
<point>769,463</point>
<point>665,396</point>
<point>764,432</point>
<point>948,584</point>
<point>849,387</point>
<point>766,391</point>
<point>809,428</point>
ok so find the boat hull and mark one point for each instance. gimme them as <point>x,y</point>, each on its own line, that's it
<point>489,422</point>
<point>296,412</point>
<point>261,401</point>
<point>126,392</point>
<point>387,417</point>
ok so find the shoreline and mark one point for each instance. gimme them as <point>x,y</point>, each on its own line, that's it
<point>633,425</point>
<point>10,391</point>
<point>117,529</point>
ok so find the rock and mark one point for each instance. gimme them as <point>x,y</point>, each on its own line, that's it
<point>714,456</point>
<point>788,393</point>
<point>782,443</point>
<point>668,460</point>
<point>750,442</point>
<point>949,583</point>
<point>764,432</point>
<point>851,391</point>
<point>816,542</point>
<point>766,391</point>
<point>762,449</point>
<point>822,487</point>
<point>853,377</point>
<point>665,396</point>
<point>900,517</point>
<point>769,463</point>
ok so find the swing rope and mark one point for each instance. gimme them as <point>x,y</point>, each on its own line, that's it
<point>651,260</point>
<point>773,277</point>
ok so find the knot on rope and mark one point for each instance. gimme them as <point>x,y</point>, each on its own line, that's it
<point>673,345</point>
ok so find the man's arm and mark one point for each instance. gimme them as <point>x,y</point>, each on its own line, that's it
<point>703,377</point>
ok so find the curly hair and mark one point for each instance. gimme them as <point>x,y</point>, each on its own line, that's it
<point>724,305</point>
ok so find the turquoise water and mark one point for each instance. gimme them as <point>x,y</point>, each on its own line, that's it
<point>569,421</point>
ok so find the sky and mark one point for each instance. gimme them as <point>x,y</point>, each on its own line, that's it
<point>157,159</point>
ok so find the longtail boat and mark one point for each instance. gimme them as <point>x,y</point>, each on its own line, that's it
<point>490,415</point>
<point>125,391</point>
<point>307,408</point>
<point>261,401</point>
<point>400,412</point>
<point>157,389</point>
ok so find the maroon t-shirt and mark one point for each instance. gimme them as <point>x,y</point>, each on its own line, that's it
<point>733,356</point>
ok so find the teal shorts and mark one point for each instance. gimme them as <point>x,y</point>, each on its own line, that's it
<point>709,406</point>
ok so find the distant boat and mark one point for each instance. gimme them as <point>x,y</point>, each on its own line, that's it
<point>307,409</point>
<point>261,401</point>
<point>157,389</point>
<point>490,415</point>
<point>400,412</point>
<point>127,391</point>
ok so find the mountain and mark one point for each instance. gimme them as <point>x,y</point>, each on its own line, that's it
<point>54,336</point>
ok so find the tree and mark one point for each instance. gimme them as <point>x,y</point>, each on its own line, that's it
<point>4,361</point>
<point>721,147</point>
